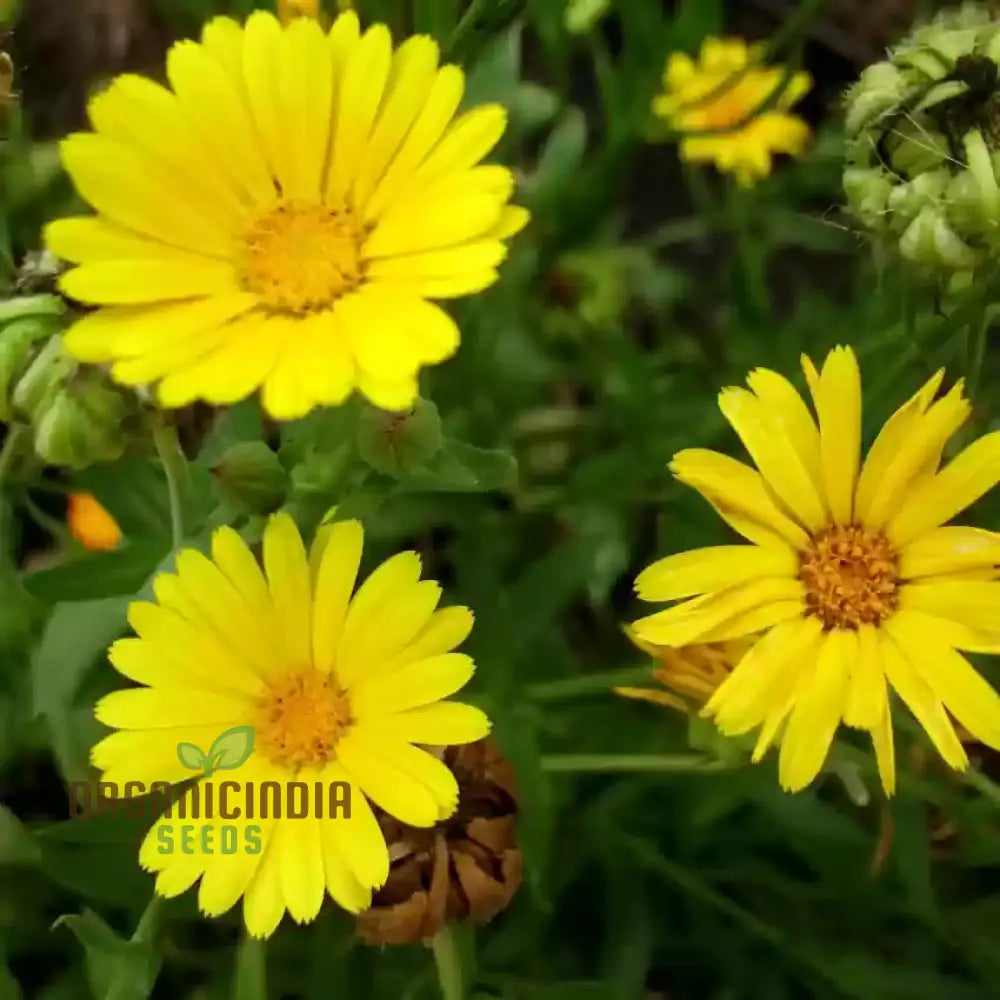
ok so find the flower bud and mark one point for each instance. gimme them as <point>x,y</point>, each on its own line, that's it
<point>397,443</point>
<point>81,425</point>
<point>38,385</point>
<point>923,142</point>
<point>251,478</point>
<point>17,343</point>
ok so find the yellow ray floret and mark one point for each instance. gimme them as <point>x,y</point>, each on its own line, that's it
<point>340,684</point>
<point>851,577</point>
<point>282,215</point>
<point>734,110</point>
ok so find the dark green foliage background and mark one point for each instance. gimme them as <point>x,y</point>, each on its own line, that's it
<point>640,289</point>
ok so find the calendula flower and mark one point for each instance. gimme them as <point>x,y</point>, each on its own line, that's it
<point>335,688</point>
<point>851,578</point>
<point>282,216</point>
<point>90,523</point>
<point>721,96</point>
<point>690,676</point>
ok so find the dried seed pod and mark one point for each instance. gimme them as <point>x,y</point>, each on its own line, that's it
<point>468,866</point>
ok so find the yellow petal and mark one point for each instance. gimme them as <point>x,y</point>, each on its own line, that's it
<point>410,686</point>
<point>927,436</point>
<point>714,568</point>
<point>973,604</point>
<point>468,139</point>
<point>359,93</point>
<point>789,410</point>
<point>885,751</point>
<point>949,550</point>
<point>335,579</point>
<point>445,723</point>
<point>447,630</point>
<point>261,55</point>
<point>756,620</point>
<point>139,193</point>
<point>739,494</point>
<point>156,708</point>
<point>774,456</point>
<point>303,877</point>
<point>390,582</point>
<point>866,690</point>
<point>124,282</point>
<point>921,700</point>
<point>149,119</point>
<point>971,474</point>
<point>688,622</point>
<point>217,109</point>
<point>889,440</point>
<point>433,118</point>
<point>227,372</point>
<point>966,695</point>
<point>305,87</point>
<point>263,903</point>
<point>370,650</point>
<point>414,67</point>
<point>386,784</point>
<point>817,711</point>
<point>121,331</point>
<point>838,403</point>
<point>763,675</point>
<point>357,839</point>
<point>287,569</point>
<point>148,755</point>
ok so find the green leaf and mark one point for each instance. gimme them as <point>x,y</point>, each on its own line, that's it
<point>461,468</point>
<point>231,748</point>
<point>694,21</point>
<point>436,18</point>
<point>17,846</point>
<point>192,756</point>
<point>98,575</point>
<point>118,969</point>
<point>75,635</point>
<point>496,74</point>
<point>9,987</point>
<point>134,492</point>
<point>561,159</point>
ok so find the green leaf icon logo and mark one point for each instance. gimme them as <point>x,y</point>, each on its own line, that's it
<point>191,756</point>
<point>230,749</point>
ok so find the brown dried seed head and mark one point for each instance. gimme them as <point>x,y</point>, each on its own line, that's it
<point>468,866</point>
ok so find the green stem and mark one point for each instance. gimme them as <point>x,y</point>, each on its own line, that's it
<point>464,28</point>
<point>583,763</point>
<point>987,788</point>
<point>448,963</point>
<point>588,684</point>
<point>168,447</point>
<point>976,352</point>
<point>16,436</point>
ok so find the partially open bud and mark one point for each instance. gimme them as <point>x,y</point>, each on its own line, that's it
<point>924,143</point>
<point>91,524</point>
<point>397,443</point>
<point>251,478</point>
<point>689,677</point>
<point>468,866</point>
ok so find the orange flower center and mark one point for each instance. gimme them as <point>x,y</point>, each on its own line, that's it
<point>301,719</point>
<point>850,575</point>
<point>301,256</point>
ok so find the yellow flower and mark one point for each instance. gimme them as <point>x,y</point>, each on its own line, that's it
<point>719,94</point>
<point>283,216</point>
<point>90,524</point>
<point>691,675</point>
<point>336,689</point>
<point>850,577</point>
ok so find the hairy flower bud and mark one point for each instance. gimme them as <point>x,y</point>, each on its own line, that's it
<point>251,478</point>
<point>923,156</point>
